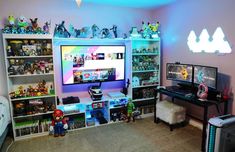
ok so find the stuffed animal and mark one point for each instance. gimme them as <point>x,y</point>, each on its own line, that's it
<point>34,23</point>
<point>59,124</point>
<point>11,20</point>
<point>22,22</point>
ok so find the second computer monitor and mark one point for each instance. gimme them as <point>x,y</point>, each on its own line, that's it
<point>206,75</point>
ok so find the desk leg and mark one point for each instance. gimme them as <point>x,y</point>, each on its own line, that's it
<point>205,121</point>
<point>155,104</point>
<point>225,107</point>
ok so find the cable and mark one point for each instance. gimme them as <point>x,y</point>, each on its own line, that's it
<point>9,146</point>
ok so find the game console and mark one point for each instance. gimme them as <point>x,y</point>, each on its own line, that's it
<point>95,93</point>
<point>115,95</point>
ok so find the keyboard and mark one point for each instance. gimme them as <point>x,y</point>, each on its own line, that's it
<point>178,90</point>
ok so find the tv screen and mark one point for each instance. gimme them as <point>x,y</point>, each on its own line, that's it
<point>92,63</point>
<point>205,74</point>
<point>179,72</point>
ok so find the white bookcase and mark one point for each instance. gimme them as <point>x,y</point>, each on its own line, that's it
<point>30,82</point>
<point>145,76</point>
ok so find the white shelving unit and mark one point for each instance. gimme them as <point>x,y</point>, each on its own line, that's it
<point>30,81</point>
<point>145,75</point>
<point>84,115</point>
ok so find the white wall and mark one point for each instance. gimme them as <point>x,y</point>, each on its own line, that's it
<point>179,19</point>
<point>58,10</point>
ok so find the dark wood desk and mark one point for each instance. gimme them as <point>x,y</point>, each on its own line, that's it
<point>193,100</point>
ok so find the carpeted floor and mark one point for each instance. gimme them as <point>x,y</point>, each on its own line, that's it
<point>140,136</point>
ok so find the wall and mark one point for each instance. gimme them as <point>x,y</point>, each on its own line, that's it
<point>67,10</point>
<point>179,19</point>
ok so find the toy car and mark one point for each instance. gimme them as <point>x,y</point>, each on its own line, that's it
<point>95,93</point>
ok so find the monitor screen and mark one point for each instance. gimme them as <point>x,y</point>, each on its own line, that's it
<point>92,63</point>
<point>205,74</point>
<point>179,72</point>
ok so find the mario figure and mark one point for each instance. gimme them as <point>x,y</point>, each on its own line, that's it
<point>59,124</point>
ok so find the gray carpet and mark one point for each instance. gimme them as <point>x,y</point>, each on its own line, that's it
<point>140,136</point>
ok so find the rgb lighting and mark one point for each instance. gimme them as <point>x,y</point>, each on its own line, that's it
<point>216,44</point>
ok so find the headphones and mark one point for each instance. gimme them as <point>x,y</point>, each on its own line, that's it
<point>202,91</point>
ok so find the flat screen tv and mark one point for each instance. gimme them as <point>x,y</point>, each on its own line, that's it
<point>92,63</point>
<point>205,74</point>
<point>179,72</point>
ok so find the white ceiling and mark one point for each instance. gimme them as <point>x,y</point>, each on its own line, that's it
<point>131,3</point>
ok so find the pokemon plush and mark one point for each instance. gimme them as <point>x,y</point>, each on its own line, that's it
<point>59,124</point>
<point>22,22</point>
<point>11,20</point>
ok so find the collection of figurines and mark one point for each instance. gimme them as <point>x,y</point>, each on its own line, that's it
<point>85,32</point>
<point>148,78</point>
<point>143,93</point>
<point>141,63</point>
<point>29,47</point>
<point>145,50</point>
<point>21,25</point>
<point>148,31</point>
<point>39,90</point>
<point>32,107</point>
<point>21,67</point>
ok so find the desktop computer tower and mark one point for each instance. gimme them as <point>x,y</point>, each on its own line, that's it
<point>221,134</point>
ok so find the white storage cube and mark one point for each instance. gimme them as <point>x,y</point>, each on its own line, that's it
<point>170,112</point>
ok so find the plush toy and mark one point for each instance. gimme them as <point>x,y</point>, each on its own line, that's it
<point>34,23</point>
<point>22,22</point>
<point>59,124</point>
<point>11,20</point>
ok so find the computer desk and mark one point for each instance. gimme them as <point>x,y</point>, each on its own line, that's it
<point>192,100</point>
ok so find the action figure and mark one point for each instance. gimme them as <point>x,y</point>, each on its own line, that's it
<point>46,27</point>
<point>130,108</point>
<point>59,124</point>
<point>114,29</point>
<point>95,31</point>
<point>105,33</point>
<point>61,31</point>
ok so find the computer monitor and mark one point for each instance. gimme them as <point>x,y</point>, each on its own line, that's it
<point>205,74</point>
<point>179,72</point>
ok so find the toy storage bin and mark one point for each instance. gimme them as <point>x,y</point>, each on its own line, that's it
<point>170,113</point>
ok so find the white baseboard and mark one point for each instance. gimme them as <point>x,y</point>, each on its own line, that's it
<point>196,124</point>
